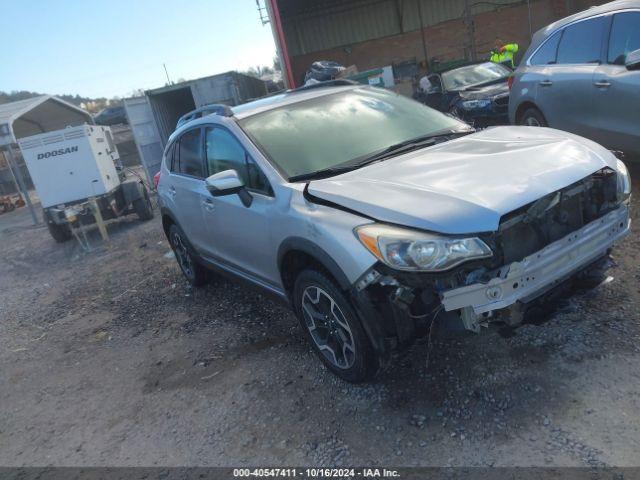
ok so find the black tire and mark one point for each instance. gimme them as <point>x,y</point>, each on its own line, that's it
<point>357,362</point>
<point>60,233</point>
<point>532,117</point>
<point>195,273</point>
<point>143,207</point>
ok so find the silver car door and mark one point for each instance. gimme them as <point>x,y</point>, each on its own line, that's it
<point>534,76</point>
<point>242,234</point>
<point>617,89</point>
<point>565,94</point>
<point>186,187</point>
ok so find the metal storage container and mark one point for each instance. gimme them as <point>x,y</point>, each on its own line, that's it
<point>153,117</point>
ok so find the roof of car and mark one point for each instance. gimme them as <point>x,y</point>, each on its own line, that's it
<point>547,31</point>
<point>287,98</point>
<point>269,103</point>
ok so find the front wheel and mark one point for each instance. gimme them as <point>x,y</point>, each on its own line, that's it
<point>195,273</point>
<point>332,327</point>
<point>532,117</point>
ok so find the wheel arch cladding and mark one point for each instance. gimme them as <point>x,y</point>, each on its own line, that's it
<point>167,220</point>
<point>297,253</point>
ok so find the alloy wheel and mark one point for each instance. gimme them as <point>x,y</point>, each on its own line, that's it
<point>328,327</point>
<point>531,121</point>
<point>183,256</point>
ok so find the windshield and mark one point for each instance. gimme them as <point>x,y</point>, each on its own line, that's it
<point>471,75</point>
<point>334,129</point>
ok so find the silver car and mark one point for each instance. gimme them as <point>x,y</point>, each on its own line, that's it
<point>582,74</point>
<point>376,218</point>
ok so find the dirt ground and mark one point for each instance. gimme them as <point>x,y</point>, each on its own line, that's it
<point>109,359</point>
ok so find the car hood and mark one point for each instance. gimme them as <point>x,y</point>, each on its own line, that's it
<point>487,91</point>
<point>466,185</point>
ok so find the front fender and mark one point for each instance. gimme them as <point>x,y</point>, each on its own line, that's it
<point>315,251</point>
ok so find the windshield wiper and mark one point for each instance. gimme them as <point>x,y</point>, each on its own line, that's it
<point>324,173</point>
<point>412,144</point>
<point>392,150</point>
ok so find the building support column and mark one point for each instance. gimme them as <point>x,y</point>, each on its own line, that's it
<point>283,52</point>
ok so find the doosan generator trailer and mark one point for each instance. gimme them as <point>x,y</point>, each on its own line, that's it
<point>76,167</point>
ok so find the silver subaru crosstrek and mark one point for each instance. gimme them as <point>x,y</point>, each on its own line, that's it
<point>582,74</point>
<point>376,218</point>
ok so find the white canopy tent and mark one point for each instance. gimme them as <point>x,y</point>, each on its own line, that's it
<point>28,117</point>
<point>38,115</point>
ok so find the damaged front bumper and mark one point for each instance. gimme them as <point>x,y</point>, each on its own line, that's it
<point>398,307</point>
<point>537,273</point>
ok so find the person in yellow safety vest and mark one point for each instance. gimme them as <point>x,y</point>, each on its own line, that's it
<point>504,53</point>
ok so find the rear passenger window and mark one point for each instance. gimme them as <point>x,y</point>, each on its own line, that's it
<point>546,54</point>
<point>190,154</point>
<point>625,36</point>
<point>581,42</point>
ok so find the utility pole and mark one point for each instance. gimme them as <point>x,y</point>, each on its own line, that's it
<point>17,174</point>
<point>166,73</point>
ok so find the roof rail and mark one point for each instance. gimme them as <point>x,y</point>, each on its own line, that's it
<point>340,82</point>
<point>203,111</point>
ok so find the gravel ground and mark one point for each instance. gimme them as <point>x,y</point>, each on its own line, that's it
<point>109,358</point>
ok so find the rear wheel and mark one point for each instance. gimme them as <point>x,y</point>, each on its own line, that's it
<point>332,327</point>
<point>195,273</point>
<point>143,207</point>
<point>532,117</point>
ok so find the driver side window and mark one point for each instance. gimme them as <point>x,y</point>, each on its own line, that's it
<point>224,152</point>
<point>625,36</point>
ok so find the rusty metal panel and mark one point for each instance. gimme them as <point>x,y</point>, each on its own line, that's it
<point>341,26</point>
<point>438,11</point>
<point>311,27</point>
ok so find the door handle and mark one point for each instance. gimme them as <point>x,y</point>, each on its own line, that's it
<point>208,205</point>
<point>602,84</point>
<point>546,83</point>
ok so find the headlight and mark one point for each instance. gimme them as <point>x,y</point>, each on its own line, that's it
<point>405,249</point>
<point>475,104</point>
<point>624,182</point>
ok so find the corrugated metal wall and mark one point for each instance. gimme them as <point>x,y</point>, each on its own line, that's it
<point>340,24</point>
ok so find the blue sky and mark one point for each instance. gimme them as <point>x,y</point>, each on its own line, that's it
<point>110,48</point>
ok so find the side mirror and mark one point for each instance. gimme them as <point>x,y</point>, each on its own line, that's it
<point>227,183</point>
<point>632,62</point>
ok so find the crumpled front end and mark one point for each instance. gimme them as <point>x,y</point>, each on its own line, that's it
<point>541,245</point>
<point>525,280</point>
<point>537,248</point>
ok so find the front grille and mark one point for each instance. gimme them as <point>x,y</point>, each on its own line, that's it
<point>556,215</point>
